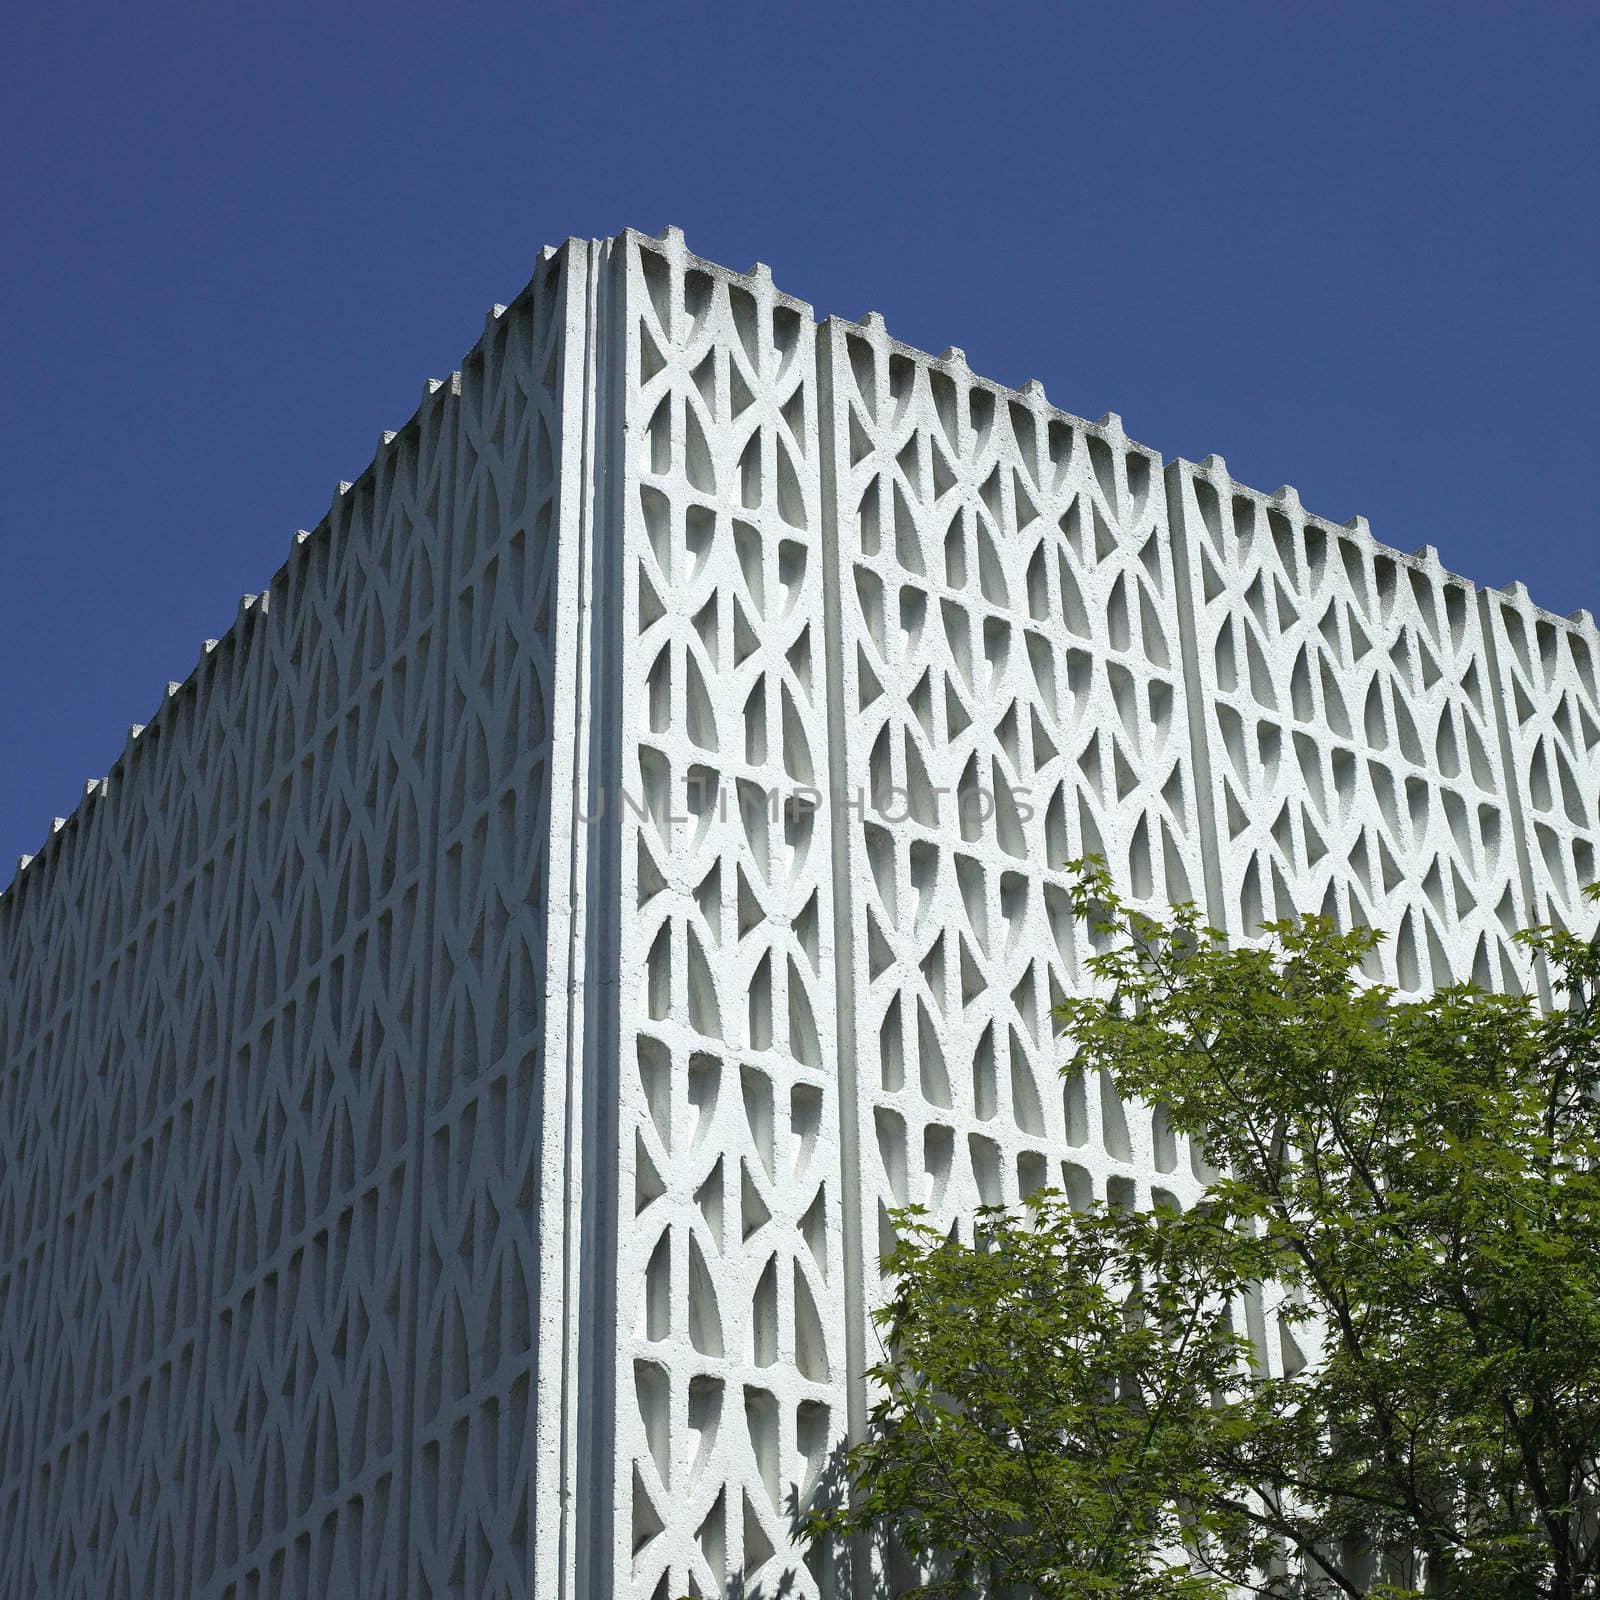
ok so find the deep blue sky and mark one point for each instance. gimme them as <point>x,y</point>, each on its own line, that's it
<point>1348,247</point>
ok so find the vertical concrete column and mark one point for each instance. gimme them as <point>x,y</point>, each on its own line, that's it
<point>730,1369</point>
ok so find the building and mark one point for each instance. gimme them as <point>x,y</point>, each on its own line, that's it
<point>455,1068</point>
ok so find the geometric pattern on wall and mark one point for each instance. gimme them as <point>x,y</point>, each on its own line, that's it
<point>117,1000</point>
<point>419,1176</point>
<point>290,1098</point>
<point>731,1354</point>
<point>476,1355</point>
<point>1550,716</point>
<point>1347,731</point>
<point>1010,674</point>
<point>317,1163</point>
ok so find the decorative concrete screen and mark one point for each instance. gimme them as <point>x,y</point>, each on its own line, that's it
<point>456,1069</point>
<point>1346,729</point>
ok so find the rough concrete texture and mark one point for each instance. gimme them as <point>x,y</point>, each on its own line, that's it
<point>456,1067</point>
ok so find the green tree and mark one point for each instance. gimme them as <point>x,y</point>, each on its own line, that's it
<point>1068,1405</point>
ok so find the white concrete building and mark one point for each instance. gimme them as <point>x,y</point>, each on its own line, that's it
<point>455,1067</point>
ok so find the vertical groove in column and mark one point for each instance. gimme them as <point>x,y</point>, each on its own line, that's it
<point>1206,819</point>
<point>833,645</point>
<point>592,1115</point>
<point>850,1173</point>
<point>553,1554</point>
<point>558,1191</point>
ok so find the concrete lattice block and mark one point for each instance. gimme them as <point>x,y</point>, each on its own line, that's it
<point>457,1066</point>
<point>1346,732</point>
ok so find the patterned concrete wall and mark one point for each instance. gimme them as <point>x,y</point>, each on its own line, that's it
<point>455,1070</point>
<point>1012,698</point>
<point>1346,730</point>
<point>1549,717</point>
<point>731,1347</point>
<point>117,1002</point>
<point>273,1036</point>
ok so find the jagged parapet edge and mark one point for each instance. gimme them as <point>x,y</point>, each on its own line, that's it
<point>952,362</point>
<point>253,607</point>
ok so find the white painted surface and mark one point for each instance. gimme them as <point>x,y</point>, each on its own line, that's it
<point>447,1119</point>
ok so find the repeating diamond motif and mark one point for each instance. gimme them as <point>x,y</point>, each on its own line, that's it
<point>1550,719</point>
<point>285,1142</point>
<point>457,1067</point>
<point>731,1313</point>
<point>1011,673</point>
<point>1347,729</point>
<point>117,1008</point>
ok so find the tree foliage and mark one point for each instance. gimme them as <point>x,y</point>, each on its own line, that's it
<point>1070,1403</point>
